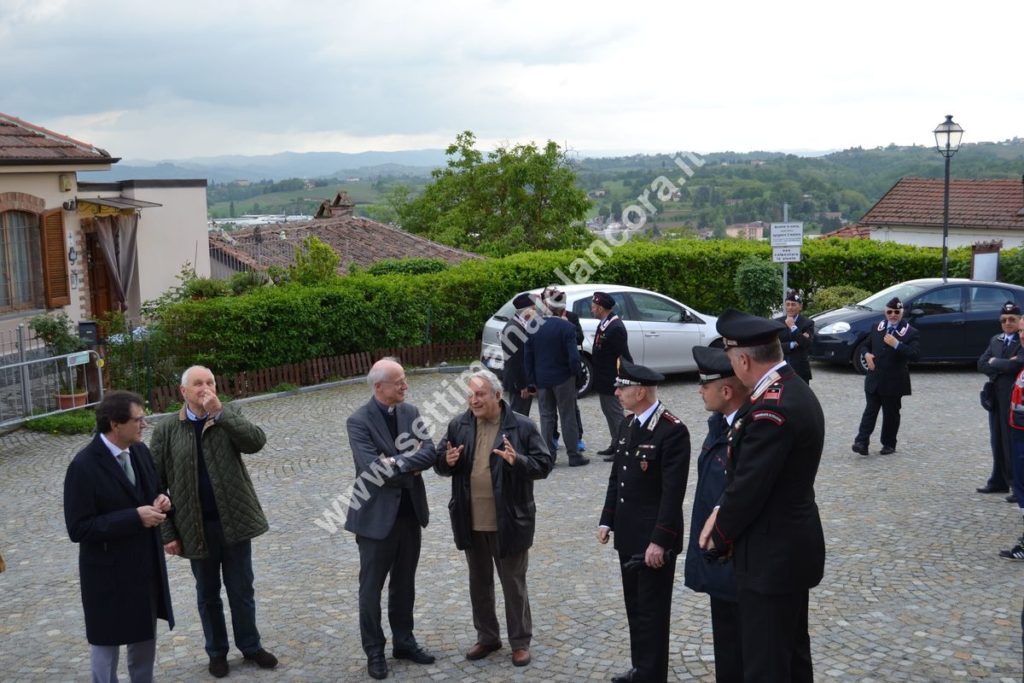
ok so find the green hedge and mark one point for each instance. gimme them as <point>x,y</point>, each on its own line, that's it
<point>362,312</point>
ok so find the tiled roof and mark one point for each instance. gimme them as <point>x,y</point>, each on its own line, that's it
<point>356,240</point>
<point>24,143</point>
<point>996,203</point>
<point>851,232</point>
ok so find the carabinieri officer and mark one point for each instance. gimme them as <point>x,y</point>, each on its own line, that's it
<point>767,518</point>
<point>644,509</point>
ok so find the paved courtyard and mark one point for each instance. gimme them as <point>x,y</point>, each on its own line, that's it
<point>913,587</point>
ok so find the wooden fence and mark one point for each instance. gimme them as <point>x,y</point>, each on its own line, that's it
<point>319,370</point>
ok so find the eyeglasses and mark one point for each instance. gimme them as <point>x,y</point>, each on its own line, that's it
<point>891,311</point>
<point>1009,319</point>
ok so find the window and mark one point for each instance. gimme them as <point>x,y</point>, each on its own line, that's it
<point>989,299</point>
<point>21,270</point>
<point>655,309</point>
<point>581,307</point>
<point>945,300</point>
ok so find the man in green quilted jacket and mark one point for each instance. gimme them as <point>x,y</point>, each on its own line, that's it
<point>216,512</point>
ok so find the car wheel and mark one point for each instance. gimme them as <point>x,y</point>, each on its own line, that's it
<point>860,363</point>
<point>585,379</point>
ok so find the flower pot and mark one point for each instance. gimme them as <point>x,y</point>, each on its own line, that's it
<point>66,401</point>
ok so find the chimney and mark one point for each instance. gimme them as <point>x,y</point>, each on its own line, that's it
<point>342,204</point>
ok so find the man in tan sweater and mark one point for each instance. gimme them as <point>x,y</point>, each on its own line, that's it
<point>493,456</point>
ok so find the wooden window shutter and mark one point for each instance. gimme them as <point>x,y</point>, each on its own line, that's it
<point>55,267</point>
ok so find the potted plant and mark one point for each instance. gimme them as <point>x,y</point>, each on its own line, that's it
<point>56,333</point>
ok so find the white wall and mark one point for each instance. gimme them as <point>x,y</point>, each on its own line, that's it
<point>957,237</point>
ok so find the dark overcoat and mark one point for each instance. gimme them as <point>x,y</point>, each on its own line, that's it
<point>120,562</point>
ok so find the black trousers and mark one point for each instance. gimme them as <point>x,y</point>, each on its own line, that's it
<point>776,646</point>
<point>890,406</point>
<point>725,627</point>
<point>648,596</point>
<point>519,404</point>
<point>396,555</point>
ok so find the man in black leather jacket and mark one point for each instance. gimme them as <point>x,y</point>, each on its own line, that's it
<point>493,456</point>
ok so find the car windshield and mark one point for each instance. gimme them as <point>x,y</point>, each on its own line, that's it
<point>905,291</point>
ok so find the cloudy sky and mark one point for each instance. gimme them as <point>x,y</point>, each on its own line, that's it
<point>155,80</point>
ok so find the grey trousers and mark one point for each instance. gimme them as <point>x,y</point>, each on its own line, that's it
<point>559,403</point>
<point>483,559</point>
<point>141,656</point>
<point>613,415</point>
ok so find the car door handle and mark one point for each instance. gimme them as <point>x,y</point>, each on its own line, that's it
<point>651,334</point>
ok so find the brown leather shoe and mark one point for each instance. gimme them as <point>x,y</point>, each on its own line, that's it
<point>521,657</point>
<point>480,650</point>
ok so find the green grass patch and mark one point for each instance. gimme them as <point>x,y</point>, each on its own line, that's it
<point>73,422</point>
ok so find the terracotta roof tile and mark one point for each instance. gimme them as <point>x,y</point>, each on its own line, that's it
<point>23,142</point>
<point>852,231</point>
<point>973,204</point>
<point>356,240</point>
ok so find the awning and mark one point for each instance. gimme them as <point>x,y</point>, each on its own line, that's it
<point>119,202</point>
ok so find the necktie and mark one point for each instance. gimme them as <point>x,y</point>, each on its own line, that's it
<point>125,460</point>
<point>890,330</point>
<point>1007,341</point>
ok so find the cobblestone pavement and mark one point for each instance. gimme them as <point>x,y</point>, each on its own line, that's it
<point>913,587</point>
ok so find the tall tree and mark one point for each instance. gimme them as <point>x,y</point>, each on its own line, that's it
<point>514,199</point>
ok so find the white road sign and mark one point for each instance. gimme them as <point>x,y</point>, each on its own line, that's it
<point>785,254</point>
<point>787,234</point>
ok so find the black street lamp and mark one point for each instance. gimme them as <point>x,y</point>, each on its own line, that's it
<point>947,140</point>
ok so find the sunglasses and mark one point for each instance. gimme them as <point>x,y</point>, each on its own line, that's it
<point>891,311</point>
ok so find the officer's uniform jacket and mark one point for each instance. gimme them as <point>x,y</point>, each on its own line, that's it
<point>611,341</point>
<point>1008,362</point>
<point>891,376</point>
<point>644,502</point>
<point>768,518</point>
<point>714,578</point>
<point>802,336</point>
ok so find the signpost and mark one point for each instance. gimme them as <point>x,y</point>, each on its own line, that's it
<point>787,238</point>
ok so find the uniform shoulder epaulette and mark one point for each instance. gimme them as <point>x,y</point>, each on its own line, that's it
<point>671,418</point>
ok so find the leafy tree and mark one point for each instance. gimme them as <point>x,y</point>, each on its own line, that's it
<point>316,263</point>
<point>515,199</point>
<point>758,285</point>
<point>616,214</point>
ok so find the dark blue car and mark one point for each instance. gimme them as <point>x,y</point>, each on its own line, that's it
<point>956,319</point>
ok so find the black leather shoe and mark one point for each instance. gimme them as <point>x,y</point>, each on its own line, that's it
<point>609,458</point>
<point>608,451</point>
<point>376,666</point>
<point>579,462</point>
<point>860,448</point>
<point>887,450</point>
<point>625,678</point>
<point>263,659</point>
<point>219,666</point>
<point>991,489</point>
<point>1012,498</point>
<point>417,655</point>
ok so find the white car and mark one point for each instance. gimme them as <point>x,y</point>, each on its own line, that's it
<point>662,331</point>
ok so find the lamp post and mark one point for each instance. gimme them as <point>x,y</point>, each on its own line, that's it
<point>947,141</point>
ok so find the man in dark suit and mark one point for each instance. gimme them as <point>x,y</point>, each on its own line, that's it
<point>643,507</point>
<point>113,507</point>
<point>1001,362</point>
<point>390,447</point>
<point>611,342</point>
<point>723,394</point>
<point>892,344</point>
<point>766,519</point>
<point>514,381</point>
<point>796,338</point>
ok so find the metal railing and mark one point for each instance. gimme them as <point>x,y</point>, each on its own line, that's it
<point>34,387</point>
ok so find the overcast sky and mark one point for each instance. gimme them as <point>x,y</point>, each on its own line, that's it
<point>162,80</point>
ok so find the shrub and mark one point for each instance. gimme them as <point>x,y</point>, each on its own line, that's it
<point>73,422</point>
<point>407,266</point>
<point>205,288</point>
<point>758,285</point>
<point>246,281</point>
<point>827,298</point>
